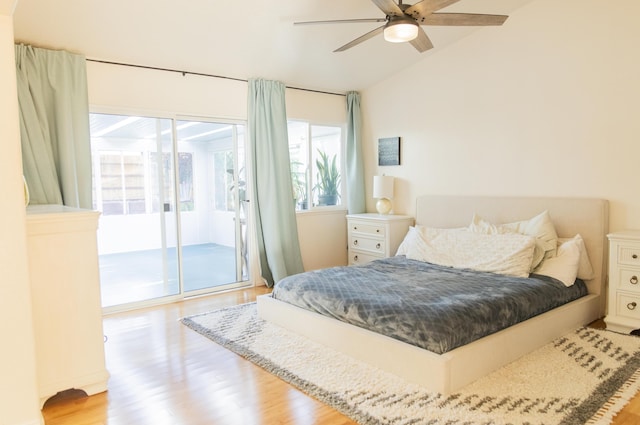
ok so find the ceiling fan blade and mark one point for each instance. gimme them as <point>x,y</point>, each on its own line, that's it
<point>341,21</point>
<point>422,43</point>
<point>463,19</point>
<point>389,7</point>
<point>360,39</point>
<point>425,8</point>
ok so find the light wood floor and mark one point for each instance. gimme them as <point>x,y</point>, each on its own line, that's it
<point>164,373</point>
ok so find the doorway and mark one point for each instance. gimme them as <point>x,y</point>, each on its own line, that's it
<point>172,192</point>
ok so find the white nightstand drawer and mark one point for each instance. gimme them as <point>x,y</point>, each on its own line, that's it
<point>373,236</point>
<point>623,302</point>
<point>629,255</point>
<point>368,228</point>
<point>629,306</point>
<point>359,257</point>
<point>367,244</point>
<point>629,279</point>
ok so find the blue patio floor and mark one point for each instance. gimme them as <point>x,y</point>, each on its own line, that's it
<point>139,275</point>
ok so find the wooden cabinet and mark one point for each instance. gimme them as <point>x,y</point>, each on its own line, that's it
<point>65,292</point>
<point>623,304</point>
<point>373,236</point>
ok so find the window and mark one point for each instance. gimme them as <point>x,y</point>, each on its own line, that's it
<point>316,164</point>
<point>133,166</point>
<point>122,188</point>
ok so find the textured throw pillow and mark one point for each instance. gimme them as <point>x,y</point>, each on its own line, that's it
<point>540,227</point>
<point>585,269</point>
<point>508,253</point>
<point>564,266</point>
<point>413,237</point>
<point>408,241</point>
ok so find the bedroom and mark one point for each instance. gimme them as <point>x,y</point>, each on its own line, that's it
<point>547,106</point>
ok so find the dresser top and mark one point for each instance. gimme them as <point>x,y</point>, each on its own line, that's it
<point>381,217</point>
<point>625,234</point>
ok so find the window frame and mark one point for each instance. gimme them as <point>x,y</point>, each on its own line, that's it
<point>311,167</point>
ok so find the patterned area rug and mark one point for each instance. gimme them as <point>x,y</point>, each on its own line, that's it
<point>583,377</point>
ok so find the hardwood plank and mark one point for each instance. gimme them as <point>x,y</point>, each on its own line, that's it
<point>164,373</point>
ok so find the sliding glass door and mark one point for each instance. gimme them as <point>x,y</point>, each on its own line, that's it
<point>213,216</point>
<point>172,194</point>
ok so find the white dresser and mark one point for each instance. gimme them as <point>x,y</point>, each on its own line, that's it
<point>372,236</point>
<point>623,303</point>
<point>65,293</point>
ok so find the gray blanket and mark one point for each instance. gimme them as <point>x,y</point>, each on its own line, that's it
<point>433,307</point>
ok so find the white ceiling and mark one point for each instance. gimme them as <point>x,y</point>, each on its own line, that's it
<point>252,38</point>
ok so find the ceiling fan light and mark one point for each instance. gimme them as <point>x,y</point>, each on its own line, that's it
<point>400,31</point>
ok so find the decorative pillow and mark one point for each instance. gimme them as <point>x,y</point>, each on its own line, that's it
<point>508,253</point>
<point>585,269</point>
<point>409,240</point>
<point>564,266</point>
<point>413,235</point>
<point>540,227</point>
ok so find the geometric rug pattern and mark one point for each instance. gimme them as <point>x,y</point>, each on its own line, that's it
<point>584,377</point>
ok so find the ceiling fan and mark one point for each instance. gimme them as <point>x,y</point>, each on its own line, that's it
<point>403,22</point>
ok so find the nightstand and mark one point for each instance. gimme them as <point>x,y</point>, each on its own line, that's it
<point>623,302</point>
<point>372,236</point>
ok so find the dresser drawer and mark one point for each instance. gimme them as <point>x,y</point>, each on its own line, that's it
<point>367,244</point>
<point>372,236</point>
<point>367,228</point>
<point>359,257</point>
<point>629,279</point>
<point>629,306</point>
<point>629,255</point>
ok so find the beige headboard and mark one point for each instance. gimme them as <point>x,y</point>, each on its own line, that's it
<point>589,217</point>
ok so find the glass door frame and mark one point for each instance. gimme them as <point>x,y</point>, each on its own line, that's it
<point>252,265</point>
<point>251,271</point>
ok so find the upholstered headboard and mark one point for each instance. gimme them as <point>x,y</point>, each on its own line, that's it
<point>589,217</point>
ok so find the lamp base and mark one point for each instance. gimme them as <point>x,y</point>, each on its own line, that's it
<point>383,206</point>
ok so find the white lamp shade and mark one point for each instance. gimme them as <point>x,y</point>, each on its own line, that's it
<point>383,187</point>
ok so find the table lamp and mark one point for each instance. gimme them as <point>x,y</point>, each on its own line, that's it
<point>383,191</point>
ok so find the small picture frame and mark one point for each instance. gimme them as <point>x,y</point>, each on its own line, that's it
<point>389,151</point>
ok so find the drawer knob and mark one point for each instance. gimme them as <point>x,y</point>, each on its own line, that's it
<point>633,280</point>
<point>378,245</point>
<point>355,227</point>
<point>355,258</point>
<point>634,256</point>
<point>377,230</point>
<point>355,242</point>
<point>632,306</point>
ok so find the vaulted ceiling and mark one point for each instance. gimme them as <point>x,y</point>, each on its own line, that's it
<point>245,39</point>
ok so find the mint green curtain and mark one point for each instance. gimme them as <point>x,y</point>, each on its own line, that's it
<point>273,202</point>
<point>54,126</point>
<point>356,201</point>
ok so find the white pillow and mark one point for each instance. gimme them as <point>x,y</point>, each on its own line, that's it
<point>585,269</point>
<point>564,266</point>
<point>409,239</point>
<point>508,254</point>
<point>540,227</point>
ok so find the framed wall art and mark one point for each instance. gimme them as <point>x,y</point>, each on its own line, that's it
<point>389,151</point>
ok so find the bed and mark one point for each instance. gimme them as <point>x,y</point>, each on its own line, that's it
<point>450,370</point>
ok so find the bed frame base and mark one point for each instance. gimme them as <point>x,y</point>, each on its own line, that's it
<point>443,373</point>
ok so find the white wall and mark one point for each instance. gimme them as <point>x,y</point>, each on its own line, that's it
<point>139,90</point>
<point>323,239</point>
<point>18,391</point>
<point>545,105</point>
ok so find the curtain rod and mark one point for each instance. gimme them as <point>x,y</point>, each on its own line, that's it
<point>201,74</point>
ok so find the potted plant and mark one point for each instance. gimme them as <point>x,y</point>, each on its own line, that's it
<point>299,181</point>
<point>328,179</point>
